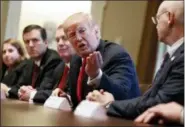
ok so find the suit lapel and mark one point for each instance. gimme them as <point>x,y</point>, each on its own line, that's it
<point>43,63</point>
<point>169,64</point>
<point>101,48</point>
<point>57,75</point>
<point>178,51</point>
<point>73,73</point>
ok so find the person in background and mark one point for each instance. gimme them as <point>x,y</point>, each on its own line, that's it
<point>66,52</point>
<point>170,112</point>
<point>60,74</point>
<point>99,64</point>
<point>168,84</point>
<point>41,64</point>
<point>13,56</point>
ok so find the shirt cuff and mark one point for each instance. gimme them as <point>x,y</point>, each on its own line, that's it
<point>7,92</point>
<point>108,105</point>
<point>182,116</point>
<point>32,95</point>
<point>96,80</point>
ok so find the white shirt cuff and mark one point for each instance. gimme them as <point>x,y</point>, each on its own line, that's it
<point>7,92</point>
<point>182,116</point>
<point>32,95</point>
<point>96,80</point>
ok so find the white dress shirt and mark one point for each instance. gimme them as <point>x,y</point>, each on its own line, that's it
<point>171,49</point>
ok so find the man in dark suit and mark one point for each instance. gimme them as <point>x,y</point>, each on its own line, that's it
<point>168,84</point>
<point>98,64</point>
<point>41,65</point>
<point>60,74</point>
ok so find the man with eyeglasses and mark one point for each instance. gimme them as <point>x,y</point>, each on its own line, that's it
<point>168,84</point>
<point>99,64</point>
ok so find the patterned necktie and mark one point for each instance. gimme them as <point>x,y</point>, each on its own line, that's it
<point>63,80</point>
<point>80,79</point>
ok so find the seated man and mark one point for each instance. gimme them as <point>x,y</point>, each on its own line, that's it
<point>170,112</point>
<point>60,74</point>
<point>98,64</point>
<point>168,84</point>
<point>41,65</point>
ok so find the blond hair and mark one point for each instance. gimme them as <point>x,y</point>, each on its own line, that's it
<point>77,18</point>
<point>18,45</point>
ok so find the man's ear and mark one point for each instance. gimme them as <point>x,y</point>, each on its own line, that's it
<point>46,42</point>
<point>171,19</point>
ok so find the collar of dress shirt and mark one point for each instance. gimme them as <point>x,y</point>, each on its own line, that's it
<point>175,46</point>
<point>68,64</point>
<point>37,63</point>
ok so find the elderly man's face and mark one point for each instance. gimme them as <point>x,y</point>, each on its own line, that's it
<point>64,47</point>
<point>83,37</point>
<point>163,28</point>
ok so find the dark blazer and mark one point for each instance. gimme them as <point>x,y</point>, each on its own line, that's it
<point>169,87</point>
<point>48,63</point>
<point>43,95</point>
<point>13,77</point>
<point>119,74</point>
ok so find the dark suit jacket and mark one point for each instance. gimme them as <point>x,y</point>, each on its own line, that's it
<point>119,75</point>
<point>55,79</point>
<point>13,76</point>
<point>48,63</point>
<point>169,87</point>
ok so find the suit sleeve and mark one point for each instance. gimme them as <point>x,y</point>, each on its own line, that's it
<point>171,90</point>
<point>46,86</point>
<point>119,77</point>
<point>20,73</point>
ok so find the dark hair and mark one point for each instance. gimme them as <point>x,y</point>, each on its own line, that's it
<point>29,28</point>
<point>18,45</point>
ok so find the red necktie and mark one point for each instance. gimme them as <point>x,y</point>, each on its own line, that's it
<point>80,79</point>
<point>34,75</point>
<point>64,78</point>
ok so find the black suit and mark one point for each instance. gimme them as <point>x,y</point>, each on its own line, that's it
<point>119,75</point>
<point>169,87</point>
<point>13,76</point>
<point>43,95</point>
<point>48,63</point>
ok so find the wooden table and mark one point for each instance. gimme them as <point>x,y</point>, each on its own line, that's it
<point>18,113</point>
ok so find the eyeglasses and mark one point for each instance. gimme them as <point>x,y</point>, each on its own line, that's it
<point>155,18</point>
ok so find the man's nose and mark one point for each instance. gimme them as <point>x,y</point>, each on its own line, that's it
<point>31,44</point>
<point>78,37</point>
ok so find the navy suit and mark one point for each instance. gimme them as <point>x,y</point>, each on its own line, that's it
<point>119,74</point>
<point>169,86</point>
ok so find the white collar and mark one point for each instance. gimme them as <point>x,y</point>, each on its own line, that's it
<point>68,64</point>
<point>175,46</point>
<point>37,63</point>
